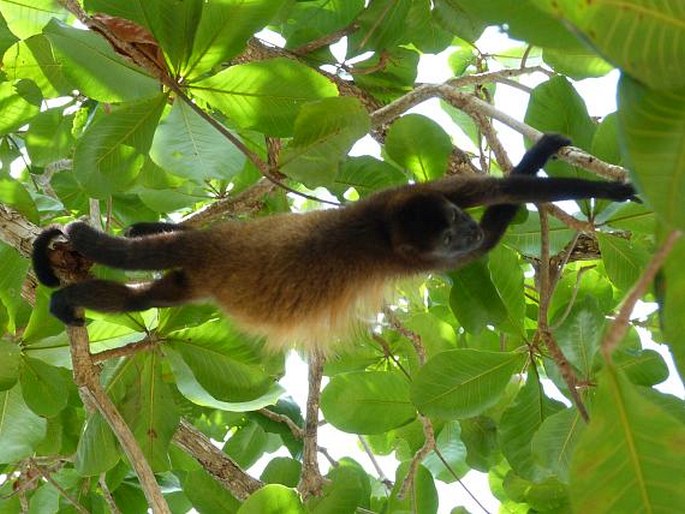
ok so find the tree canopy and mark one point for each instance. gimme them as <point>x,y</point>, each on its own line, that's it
<point>527,365</point>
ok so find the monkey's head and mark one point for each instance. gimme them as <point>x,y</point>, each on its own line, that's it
<point>428,228</point>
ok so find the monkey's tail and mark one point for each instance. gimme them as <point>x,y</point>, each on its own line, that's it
<point>152,252</point>
<point>40,256</point>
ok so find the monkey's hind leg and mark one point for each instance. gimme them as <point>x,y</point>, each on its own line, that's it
<point>108,296</point>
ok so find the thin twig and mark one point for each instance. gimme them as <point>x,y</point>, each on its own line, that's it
<point>374,462</point>
<point>422,453</point>
<point>280,418</point>
<point>546,288</point>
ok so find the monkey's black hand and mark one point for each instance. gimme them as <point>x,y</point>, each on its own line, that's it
<point>40,256</point>
<point>63,310</point>
<point>540,153</point>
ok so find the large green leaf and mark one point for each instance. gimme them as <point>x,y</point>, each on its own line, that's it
<point>555,440</point>
<point>367,402</point>
<point>20,429</point>
<point>147,406</point>
<point>580,334</point>
<point>225,363</point>
<point>111,152</point>
<point>247,444</point>
<point>421,497</point>
<point>643,37</point>
<point>635,447</point>
<point>525,237</point>
<point>324,133</point>
<point>624,260</point>
<point>522,20</point>
<point>463,383</point>
<point>10,360</point>
<point>26,18</point>
<point>206,494</point>
<point>519,424</point>
<point>98,450</point>
<point>188,146</point>
<point>18,104</point>
<point>223,30</point>
<point>651,127</point>
<point>273,499</point>
<point>265,95</point>
<point>474,299</point>
<point>189,387</point>
<point>90,63</point>
<point>419,145</point>
<point>34,59</point>
<point>44,387</point>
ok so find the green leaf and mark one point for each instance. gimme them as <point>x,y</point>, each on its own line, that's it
<point>13,269</point>
<point>519,424</point>
<point>374,35</point>
<point>479,435</point>
<point>637,449</point>
<point>650,126</point>
<point>452,450</point>
<point>188,146</point>
<point>367,402</point>
<point>348,489</point>
<point>507,277</point>
<point>147,406</point>
<point>273,499</point>
<point>111,152</point>
<point>18,107</point>
<point>25,19</point>
<point>419,145</point>
<point>324,133</point>
<point>366,175</point>
<point>421,497</point>
<point>265,96</point>
<point>555,440</point>
<point>282,470</point>
<point>49,137</point>
<point>20,429</point>
<point>641,36</point>
<point>571,118</point>
<point>580,334</point>
<point>35,60</point>
<point>207,495</point>
<point>14,194</point>
<point>44,387</point>
<point>225,363</point>
<point>223,31</point>
<point>98,450</point>
<point>474,299</point>
<point>90,63</point>
<point>525,237</point>
<point>10,360</point>
<point>623,259</point>
<point>246,445</point>
<point>189,387</point>
<point>463,383</point>
<point>645,368</point>
<point>577,63</point>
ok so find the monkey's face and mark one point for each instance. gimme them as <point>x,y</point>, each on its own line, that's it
<point>429,228</point>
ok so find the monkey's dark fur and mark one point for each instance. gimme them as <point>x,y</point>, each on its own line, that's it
<point>306,278</point>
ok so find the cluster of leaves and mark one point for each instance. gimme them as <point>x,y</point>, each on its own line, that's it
<point>85,130</point>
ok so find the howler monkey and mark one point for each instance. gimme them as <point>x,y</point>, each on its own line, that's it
<point>306,278</point>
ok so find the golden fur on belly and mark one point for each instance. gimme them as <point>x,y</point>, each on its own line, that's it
<point>323,330</point>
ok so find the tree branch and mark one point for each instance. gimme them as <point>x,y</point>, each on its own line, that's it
<point>311,480</point>
<point>214,461</point>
